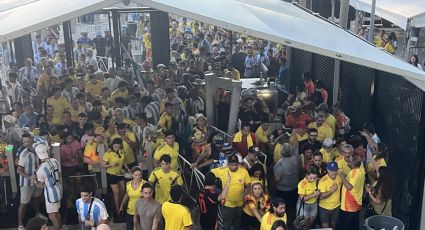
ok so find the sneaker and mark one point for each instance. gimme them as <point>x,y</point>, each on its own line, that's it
<point>41,216</point>
<point>21,228</point>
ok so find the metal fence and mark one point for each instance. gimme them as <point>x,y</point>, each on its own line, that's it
<point>395,106</point>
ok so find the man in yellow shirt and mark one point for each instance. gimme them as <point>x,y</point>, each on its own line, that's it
<point>169,147</point>
<point>239,180</point>
<point>43,82</point>
<point>330,196</point>
<point>323,130</point>
<point>59,103</point>
<point>231,72</point>
<point>51,116</point>
<point>276,213</point>
<point>327,150</point>
<point>170,94</point>
<point>176,216</point>
<point>262,134</point>
<point>94,86</point>
<point>164,178</point>
<point>120,92</point>
<point>166,119</point>
<point>329,118</point>
<point>76,109</point>
<point>345,159</point>
<point>351,195</point>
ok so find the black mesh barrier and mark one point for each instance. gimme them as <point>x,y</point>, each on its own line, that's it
<point>323,69</point>
<point>356,82</point>
<point>397,115</point>
<point>23,49</point>
<point>300,62</point>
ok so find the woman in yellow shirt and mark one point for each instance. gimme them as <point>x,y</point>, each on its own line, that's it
<point>113,161</point>
<point>308,193</point>
<point>257,203</point>
<point>134,192</point>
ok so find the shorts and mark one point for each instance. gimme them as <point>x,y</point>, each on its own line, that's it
<point>113,179</point>
<point>328,216</point>
<point>309,210</point>
<point>27,192</point>
<point>52,207</point>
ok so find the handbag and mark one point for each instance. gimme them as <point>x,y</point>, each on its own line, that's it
<point>299,222</point>
<point>370,211</point>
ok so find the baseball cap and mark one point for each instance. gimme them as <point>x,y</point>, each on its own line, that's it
<point>328,142</point>
<point>9,119</point>
<point>41,151</point>
<point>253,149</point>
<point>332,166</point>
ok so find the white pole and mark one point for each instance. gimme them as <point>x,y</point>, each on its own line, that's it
<point>333,11</point>
<point>372,22</point>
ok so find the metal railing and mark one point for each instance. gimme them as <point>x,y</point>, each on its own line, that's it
<point>228,139</point>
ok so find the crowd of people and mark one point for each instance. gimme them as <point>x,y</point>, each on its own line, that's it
<point>138,127</point>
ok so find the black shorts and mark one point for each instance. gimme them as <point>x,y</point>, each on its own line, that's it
<point>113,179</point>
<point>328,216</point>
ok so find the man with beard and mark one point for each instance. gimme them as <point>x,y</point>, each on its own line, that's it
<point>312,139</point>
<point>276,213</point>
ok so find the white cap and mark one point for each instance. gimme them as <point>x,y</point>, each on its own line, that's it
<point>41,151</point>
<point>9,119</point>
<point>328,142</point>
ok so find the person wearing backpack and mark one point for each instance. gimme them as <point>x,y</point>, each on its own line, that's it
<point>50,179</point>
<point>208,200</point>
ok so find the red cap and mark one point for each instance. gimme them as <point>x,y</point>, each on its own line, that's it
<point>300,125</point>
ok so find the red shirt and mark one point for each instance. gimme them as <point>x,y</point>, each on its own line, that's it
<point>309,86</point>
<point>242,147</point>
<point>70,154</point>
<point>291,120</point>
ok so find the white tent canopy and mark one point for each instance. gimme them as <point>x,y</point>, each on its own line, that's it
<point>18,18</point>
<point>285,23</point>
<point>398,12</point>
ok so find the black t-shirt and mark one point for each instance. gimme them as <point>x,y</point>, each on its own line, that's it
<point>79,132</point>
<point>208,207</point>
<point>316,145</point>
<point>247,116</point>
<point>100,43</point>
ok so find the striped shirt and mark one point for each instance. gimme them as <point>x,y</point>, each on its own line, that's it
<point>49,174</point>
<point>98,211</point>
<point>29,162</point>
<point>152,112</point>
<point>157,95</point>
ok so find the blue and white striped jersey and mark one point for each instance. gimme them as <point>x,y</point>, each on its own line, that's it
<point>49,173</point>
<point>29,162</point>
<point>98,211</point>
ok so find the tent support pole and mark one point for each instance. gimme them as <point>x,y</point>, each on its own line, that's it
<point>67,35</point>
<point>337,68</point>
<point>372,22</point>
